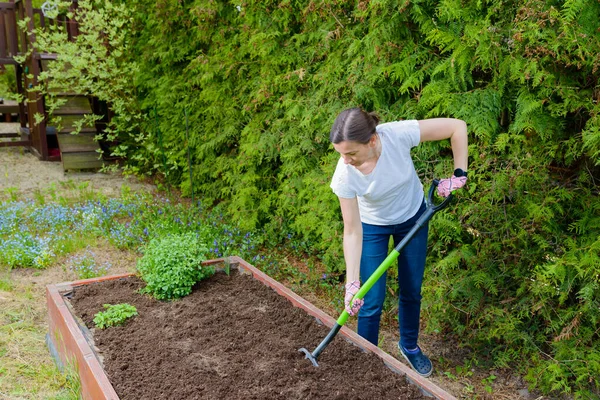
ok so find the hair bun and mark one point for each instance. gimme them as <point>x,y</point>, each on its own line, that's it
<point>375,117</point>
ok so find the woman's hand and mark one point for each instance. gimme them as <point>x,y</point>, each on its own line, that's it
<point>351,290</point>
<point>446,186</point>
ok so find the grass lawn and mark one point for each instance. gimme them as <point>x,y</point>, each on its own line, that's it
<point>26,369</point>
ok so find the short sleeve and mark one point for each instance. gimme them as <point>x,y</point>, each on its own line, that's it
<point>407,132</point>
<point>340,182</point>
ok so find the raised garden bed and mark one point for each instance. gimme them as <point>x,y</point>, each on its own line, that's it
<point>235,337</point>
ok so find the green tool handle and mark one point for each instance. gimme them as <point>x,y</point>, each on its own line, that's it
<point>424,218</point>
<point>389,260</point>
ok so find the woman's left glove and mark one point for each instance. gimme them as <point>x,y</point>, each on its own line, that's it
<point>448,185</point>
<point>351,290</point>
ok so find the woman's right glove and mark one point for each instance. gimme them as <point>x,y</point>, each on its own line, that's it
<point>351,290</point>
<point>446,186</point>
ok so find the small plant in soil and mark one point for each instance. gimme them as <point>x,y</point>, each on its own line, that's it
<point>171,265</point>
<point>114,315</point>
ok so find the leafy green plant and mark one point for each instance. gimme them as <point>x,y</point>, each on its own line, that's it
<point>8,82</point>
<point>115,314</point>
<point>488,383</point>
<point>171,265</point>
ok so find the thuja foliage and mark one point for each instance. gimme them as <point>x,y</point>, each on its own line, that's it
<point>94,63</point>
<point>8,82</point>
<point>171,265</point>
<point>513,271</point>
<point>115,314</point>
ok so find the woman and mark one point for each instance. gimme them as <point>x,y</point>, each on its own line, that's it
<point>380,196</point>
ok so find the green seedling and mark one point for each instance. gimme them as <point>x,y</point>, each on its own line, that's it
<point>114,315</point>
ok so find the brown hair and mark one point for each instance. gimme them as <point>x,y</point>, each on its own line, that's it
<point>355,125</point>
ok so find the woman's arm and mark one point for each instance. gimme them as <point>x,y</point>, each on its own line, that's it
<point>448,128</point>
<point>352,238</point>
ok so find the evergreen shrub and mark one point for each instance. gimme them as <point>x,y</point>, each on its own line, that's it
<point>513,268</point>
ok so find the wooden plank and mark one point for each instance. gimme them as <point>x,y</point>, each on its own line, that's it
<point>8,61</point>
<point>67,123</point>
<point>13,33</point>
<point>78,148</point>
<point>81,138</point>
<point>3,38</point>
<point>84,160</point>
<point>16,143</point>
<point>9,108</point>
<point>66,110</point>
<point>61,92</point>
<point>82,130</point>
<point>74,105</point>
<point>46,56</point>
<point>77,143</point>
<point>77,101</point>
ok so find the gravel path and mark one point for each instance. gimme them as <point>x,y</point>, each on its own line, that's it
<point>25,174</point>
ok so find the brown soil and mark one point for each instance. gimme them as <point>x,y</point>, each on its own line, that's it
<point>454,369</point>
<point>232,338</point>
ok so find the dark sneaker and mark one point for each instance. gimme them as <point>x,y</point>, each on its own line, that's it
<point>418,361</point>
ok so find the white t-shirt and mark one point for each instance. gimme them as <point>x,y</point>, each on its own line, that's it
<point>392,193</point>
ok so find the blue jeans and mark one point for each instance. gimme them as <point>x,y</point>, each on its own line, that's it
<point>411,266</point>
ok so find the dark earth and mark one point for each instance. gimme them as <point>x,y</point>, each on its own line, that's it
<point>232,338</point>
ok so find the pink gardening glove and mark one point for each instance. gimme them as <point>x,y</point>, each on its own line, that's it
<point>448,185</point>
<point>351,289</point>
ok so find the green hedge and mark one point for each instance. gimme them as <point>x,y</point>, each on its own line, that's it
<point>514,266</point>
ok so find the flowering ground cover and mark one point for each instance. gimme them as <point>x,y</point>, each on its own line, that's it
<point>35,235</point>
